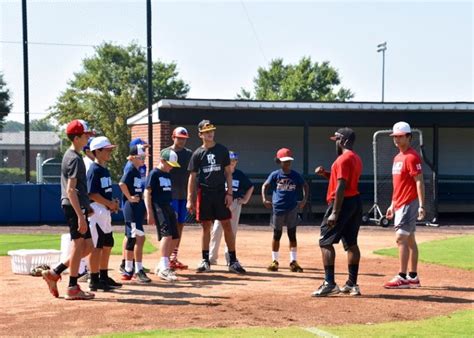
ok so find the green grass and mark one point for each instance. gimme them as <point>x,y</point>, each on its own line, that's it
<point>221,332</point>
<point>457,324</point>
<point>456,252</point>
<point>48,241</point>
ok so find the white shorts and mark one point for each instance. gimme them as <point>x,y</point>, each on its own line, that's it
<point>102,219</point>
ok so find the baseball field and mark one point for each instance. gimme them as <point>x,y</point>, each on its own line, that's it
<point>260,303</point>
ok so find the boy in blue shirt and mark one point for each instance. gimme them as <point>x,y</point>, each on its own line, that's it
<point>134,214</point>
<point>285,184</point>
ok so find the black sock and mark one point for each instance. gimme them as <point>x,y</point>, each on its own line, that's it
<point>329,274</point>
<point>123,263</point>
<point>232,257</point>
<point>205,255</point>
<point>403,275</point>
<point>353,272</point>
<point>72,281</point>
<point>94,277</point>
<point>60,269</point>
<point>412,274</point>
<point>104,275</point>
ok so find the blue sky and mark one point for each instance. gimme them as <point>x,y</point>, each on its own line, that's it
<point>429,57</point>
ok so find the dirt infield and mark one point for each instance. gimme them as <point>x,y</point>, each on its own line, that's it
<point>221,299</point>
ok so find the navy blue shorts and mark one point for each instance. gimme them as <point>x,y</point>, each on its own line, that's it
<point>179,207</point>
<point>166,222</point>
<point>134,214</point>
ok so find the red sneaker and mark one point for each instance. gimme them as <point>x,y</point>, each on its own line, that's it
<point>75,293</point>
<point>127,275</point>
<point>177,265</point>
<point>397,282</point>
<point>52,280</point>
<point>414,282</point>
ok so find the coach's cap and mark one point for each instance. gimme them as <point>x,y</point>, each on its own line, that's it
<point>180,132</point>
<point>137,141</point>
<point>284,154</point>
<point>170,157</point>
<point>101,142</point>
<point>205,125</point>
<point>78,127</point>
<point>137,150</point>
<point>400,128</point>
<point>233,155</point>
<point>88,145</point>
<point>346,135</point>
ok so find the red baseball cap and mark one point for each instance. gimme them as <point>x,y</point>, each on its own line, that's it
<point>180,132</point>
<point>284,154</point>
<point>78,127</point>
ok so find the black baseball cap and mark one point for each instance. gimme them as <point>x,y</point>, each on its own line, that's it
<point>346,135</point>
<point>205,125</point>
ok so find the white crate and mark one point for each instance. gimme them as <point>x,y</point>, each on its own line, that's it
<point>23,260</point>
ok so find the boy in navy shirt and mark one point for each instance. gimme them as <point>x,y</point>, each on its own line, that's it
<point>285,184</point>
<point>99,187</point>
<point>242,189</point>
<point>158,199</point>
<point>134,214</point>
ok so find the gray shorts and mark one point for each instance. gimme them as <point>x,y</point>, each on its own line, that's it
<point>405,218</point>
<point>291,219</point>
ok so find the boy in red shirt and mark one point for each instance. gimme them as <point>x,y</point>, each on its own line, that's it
<point>344,214</point>
<point>407,206</point>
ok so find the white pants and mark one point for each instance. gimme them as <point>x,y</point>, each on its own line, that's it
<point>216,231</point>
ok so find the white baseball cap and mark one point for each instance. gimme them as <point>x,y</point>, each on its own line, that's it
<point>400,128</point>
<point>101,142</point>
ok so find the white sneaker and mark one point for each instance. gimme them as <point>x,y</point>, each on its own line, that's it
<point>167,275</point>
<point>414,282</point>
<point>204,266</point>
<point>351,290</point>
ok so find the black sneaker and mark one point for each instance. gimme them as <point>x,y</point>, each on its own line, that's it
<point>204,266</point>
<point>142,277</point>
<point>100,285</point>
<point>122,268</point>
<point>236,268</point>
<point>113,284</point>
<point>325,290</point>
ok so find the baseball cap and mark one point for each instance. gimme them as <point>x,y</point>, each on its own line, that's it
<point>88,145</point>
<point>180,132</point>
<point>400,128</point>
<point>206,125</point>
<point>170,157</point>
<point>137,150</point>
<point>137,141</point>
<point>344,134</point>
<point>284,154</point>
<point>78,127</point>
<point>233,155</point>
<point>101,142</point>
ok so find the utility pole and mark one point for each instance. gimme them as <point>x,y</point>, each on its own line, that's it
<point>26,92</point>
<point>382,48</point>
<point>149,84</point>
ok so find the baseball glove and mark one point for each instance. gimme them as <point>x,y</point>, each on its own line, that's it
<point>36,272</point>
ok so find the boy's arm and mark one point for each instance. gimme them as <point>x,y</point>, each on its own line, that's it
<point>339,198</point>
<point>266,203</point>
<point>248,194</point>
<point>302,203</point>
<point>191,192</point>
<point>96,197</point>
<point>149,206</point>
<point>229,193</point>
<point>124,188</point>
<point>74,199</point>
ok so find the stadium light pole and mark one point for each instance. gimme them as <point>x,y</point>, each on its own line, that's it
<point>149,84</point>
<point>382,47</point>
<point>26,91</point>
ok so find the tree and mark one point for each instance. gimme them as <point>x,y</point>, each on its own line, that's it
<point>5,104</point>
<point>304,81</point>
<point>42,125</point>
<point>110,87</point>
<point>13,126</point>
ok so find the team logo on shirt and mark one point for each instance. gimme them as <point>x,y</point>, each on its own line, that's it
<point>235,185</point>
<point>137,184</point>
<point>165,183</point>
<point>106,184</point>
<point>397,168</point>
<point>286,184</point>
<point>211,160</point>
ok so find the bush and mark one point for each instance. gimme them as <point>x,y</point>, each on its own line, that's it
<point>15,176</point>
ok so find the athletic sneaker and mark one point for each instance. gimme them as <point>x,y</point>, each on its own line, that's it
<point>326,290</point>
<point>83,277</point>
<point>295,267</point>
<point>236,268</point>
<point>397,282</point>
<point>414,282</point>
<point>274,266</point>
<point>145,270</point>
<point>100,285</point>
<point>142,277</point>
<point>52,280</point>
<point>177,265</point>
<point>113,284</point>
<point>167,275</point>
<point>122,268</point>
<point>75,293</point>
<point>204,266</point>
<point>351,290</point>
<point>127,275</point>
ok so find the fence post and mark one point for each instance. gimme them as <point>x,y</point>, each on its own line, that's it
<point>39,168</point>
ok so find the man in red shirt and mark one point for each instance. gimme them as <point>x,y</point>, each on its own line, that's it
<point>407,205</point>
<point>343,216</point>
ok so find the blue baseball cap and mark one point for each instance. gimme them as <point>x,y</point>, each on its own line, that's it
<point>88,145</point>
<point>137,141</point>
<point>233,155</point>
